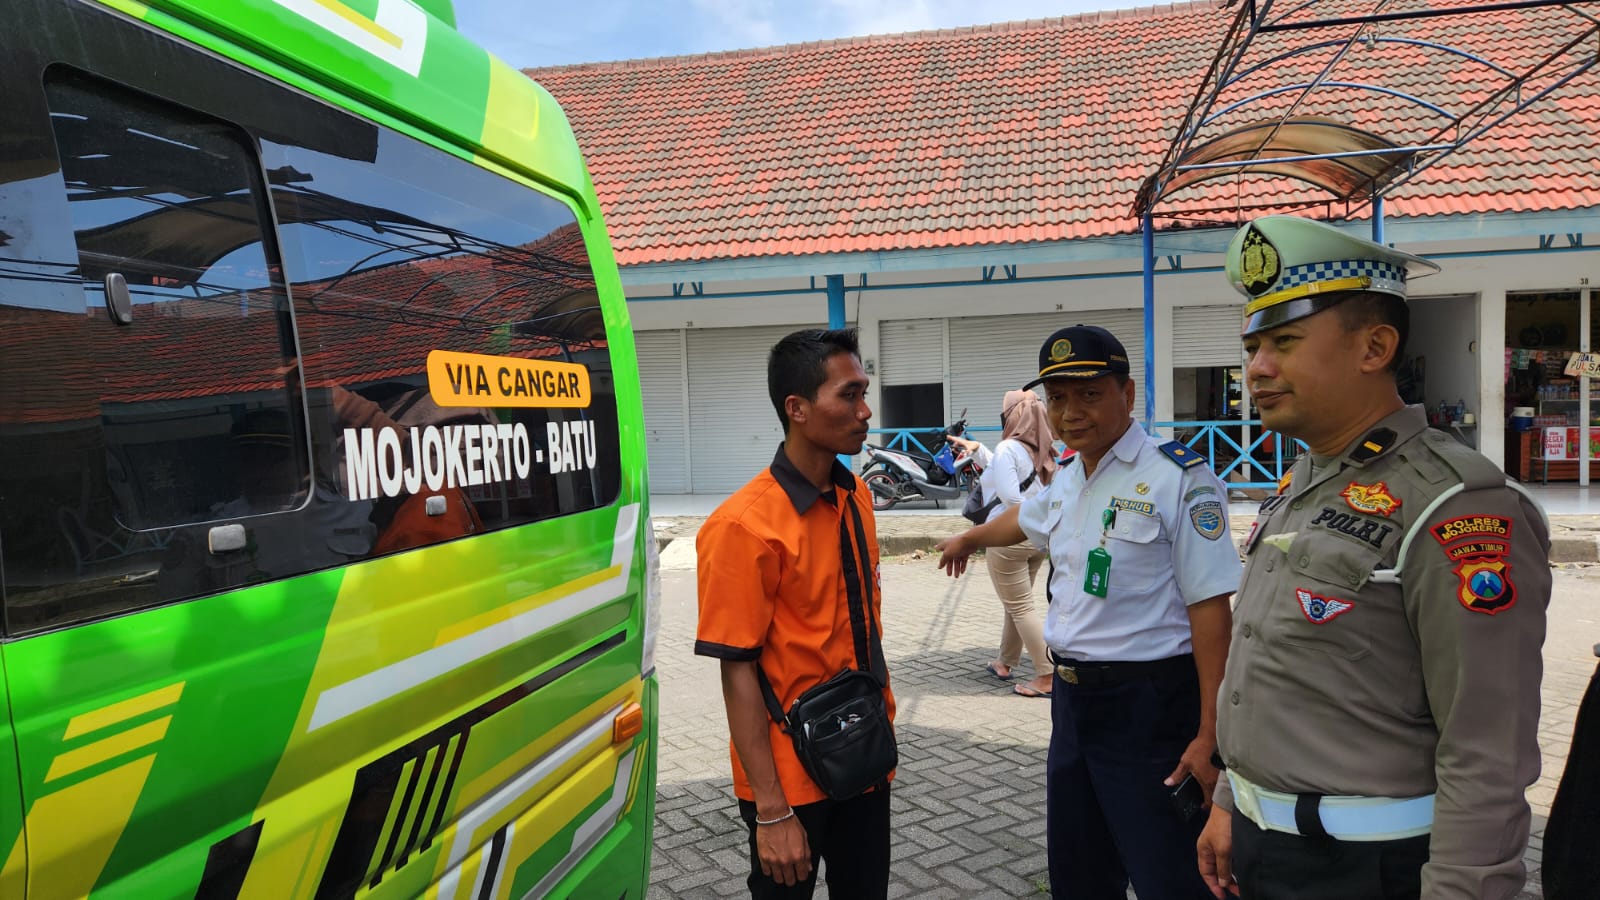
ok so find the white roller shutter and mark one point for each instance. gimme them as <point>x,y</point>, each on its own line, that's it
<point>733,429</point>
<point>911,351</point>
<point>1206,336</point>
<point>661,382</point>
<point>990,355</point>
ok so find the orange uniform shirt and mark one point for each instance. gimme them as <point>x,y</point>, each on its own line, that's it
<point>772,590</point>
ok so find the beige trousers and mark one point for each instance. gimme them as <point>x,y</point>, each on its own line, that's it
<point>1012,569</point>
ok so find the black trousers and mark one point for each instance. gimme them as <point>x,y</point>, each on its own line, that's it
<point>850,836</point>
<point>1571,865</point>
<point>1271,865</point>
<point>1110,819</point>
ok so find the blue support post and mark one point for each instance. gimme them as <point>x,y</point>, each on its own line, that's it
<point>836,320</point>
<point>1149,321</point>
<point>835,301</point>
<point>1377,218</point>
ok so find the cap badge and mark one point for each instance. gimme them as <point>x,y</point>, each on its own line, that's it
<point>1061,350</point>
<point>1370,498</point>
<point>1258,263</point>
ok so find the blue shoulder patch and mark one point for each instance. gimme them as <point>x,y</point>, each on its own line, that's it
<point>1182,454</point>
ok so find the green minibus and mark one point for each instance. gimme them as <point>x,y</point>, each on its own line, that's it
<point>326,565</point>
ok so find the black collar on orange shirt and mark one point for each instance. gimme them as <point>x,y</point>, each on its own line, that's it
<point>802,493</point>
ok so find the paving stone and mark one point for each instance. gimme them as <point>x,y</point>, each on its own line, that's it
<point>968,805</point>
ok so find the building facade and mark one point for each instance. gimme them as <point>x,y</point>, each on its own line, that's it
<point>970,191</point>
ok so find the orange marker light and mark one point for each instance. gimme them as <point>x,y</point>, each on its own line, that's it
<point>628,723</point>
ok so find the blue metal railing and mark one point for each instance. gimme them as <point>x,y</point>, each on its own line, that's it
<point>902,438</point>
<point>1261,463</point>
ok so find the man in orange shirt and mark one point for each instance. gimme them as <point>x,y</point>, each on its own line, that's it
<point>779,563</point>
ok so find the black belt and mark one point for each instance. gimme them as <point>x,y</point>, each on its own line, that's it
<point>1100,674</point>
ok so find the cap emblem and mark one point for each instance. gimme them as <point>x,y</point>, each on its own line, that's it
<point>1258,262</point>
<point>1061,350</point>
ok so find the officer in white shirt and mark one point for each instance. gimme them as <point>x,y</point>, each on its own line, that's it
<point>1142,567</point>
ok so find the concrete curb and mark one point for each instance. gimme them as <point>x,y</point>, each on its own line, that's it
<point>1574,548</point>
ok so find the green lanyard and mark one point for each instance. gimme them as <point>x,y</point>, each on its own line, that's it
<point>1097,572</point>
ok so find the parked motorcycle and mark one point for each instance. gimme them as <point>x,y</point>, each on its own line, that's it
<point>895,476</point>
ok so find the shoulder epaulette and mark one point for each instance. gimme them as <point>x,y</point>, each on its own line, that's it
<point>1472,467</point>
<point>1375,444</point>
<point>1182,454</point>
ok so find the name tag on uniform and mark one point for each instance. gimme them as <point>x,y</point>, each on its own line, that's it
<point>1097,573</point>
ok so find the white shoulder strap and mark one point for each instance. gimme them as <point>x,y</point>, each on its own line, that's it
<point>1392,576</point>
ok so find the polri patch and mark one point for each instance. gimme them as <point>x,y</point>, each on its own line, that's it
<point>1368,531</point>
<point>1320,610</point>
<point>1370,498</point>
<point>1208,519</point>
<point>1464,527</point>
<point>1486,584</point>
<point>1479,545</point>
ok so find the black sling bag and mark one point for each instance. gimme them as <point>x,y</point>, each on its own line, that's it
<point>840,728</point>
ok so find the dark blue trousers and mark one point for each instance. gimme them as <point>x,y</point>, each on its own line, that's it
<point>1110,819</point>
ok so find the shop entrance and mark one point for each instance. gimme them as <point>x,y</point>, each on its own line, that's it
<point>1543,329</point>
<point>1440,369</point>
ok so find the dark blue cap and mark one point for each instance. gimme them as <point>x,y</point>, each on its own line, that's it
<point>1080,351</point>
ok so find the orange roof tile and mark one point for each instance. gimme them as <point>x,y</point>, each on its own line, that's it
<point>1019,132</point>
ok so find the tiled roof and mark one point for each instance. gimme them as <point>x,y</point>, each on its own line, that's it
<point>1022,132</point>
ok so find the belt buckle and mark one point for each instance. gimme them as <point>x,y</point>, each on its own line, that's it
<point>1068,674</point>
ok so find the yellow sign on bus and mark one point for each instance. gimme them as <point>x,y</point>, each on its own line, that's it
<point>477,379</point>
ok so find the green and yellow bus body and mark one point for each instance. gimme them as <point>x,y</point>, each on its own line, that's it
<point>327,562</point>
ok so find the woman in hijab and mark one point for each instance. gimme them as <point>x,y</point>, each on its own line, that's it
<point>1020,466</point>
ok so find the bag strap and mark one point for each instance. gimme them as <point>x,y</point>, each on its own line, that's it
<point>858,588</point>
<point>988,507</point>
<point>858,591</point>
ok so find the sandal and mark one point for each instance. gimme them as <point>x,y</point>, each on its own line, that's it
<point>1022,690</point>
<point>996,672</point>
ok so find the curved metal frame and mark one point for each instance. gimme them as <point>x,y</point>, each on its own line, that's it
<point>1256,17</point>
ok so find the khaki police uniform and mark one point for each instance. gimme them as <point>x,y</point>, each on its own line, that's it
<point>1377,705</point>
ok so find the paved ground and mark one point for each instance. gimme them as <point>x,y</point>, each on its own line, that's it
<point>968,800</point>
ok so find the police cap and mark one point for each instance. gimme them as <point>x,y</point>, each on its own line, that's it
<point>1080,351</point>
<point>1289,268</point>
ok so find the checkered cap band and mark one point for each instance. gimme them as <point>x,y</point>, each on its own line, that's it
<point>1385,276</point>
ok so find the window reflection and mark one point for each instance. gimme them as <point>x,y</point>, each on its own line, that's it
<point>255,354</point>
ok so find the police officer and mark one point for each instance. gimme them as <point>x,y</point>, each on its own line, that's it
<point>1141,570</point>
<point>1379,715</point>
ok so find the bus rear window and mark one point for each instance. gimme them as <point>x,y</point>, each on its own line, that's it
<point>450,331</point>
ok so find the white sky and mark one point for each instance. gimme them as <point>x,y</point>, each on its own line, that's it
<point>557,33</point>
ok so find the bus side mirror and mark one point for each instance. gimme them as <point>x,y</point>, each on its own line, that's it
<point>119,305</point>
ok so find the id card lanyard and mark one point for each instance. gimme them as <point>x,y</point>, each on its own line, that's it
<point>1097,571</point>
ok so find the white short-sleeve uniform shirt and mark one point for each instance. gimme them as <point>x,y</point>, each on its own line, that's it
<point>1169,545</point>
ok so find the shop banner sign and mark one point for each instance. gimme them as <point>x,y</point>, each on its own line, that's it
<point>1587,364</point>
<point>1555,443</point>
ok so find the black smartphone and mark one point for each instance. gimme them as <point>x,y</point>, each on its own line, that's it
<point>1188,798</point>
